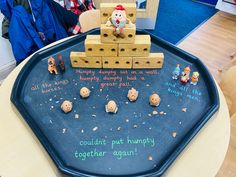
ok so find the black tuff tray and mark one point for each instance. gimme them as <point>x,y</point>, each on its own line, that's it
<point>134,142</point>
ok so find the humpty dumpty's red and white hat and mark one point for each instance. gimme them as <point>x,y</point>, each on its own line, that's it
<point>119,7</point>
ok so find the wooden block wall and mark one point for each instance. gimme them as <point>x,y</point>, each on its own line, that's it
<point>79,59</point>
<point>94,47</point>
<point>140,47</point>
<point>107,35</point>
<point>117,62</point>
<point>106,10</point>
<point>154,60</point>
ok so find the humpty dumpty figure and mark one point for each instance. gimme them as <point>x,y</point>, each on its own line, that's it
<point>118,20</point>
<point>194,78</point>
<point>111,107</point>
<point>154,100</point>
<point>66,106</point>
<point>185,75</point>
<point>84,92</point>
<point>176,72</point>
<point>132,94</point>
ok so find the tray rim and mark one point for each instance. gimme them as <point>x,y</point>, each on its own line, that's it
<point>214,97</point>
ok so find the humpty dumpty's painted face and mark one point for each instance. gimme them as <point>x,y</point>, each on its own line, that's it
<point>84,92</point>
<point>119,15</point>
<point>66,106</point>
<point>132,94</point>
<point>154,99</point>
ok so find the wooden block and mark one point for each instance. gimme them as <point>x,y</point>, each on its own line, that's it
<point>140,47</point>
<point>106,10</point>
<point>79,59</point>
<point>107,35</point>
<point>94,47</point>
<point>154,60</point>
<point>117,62</point>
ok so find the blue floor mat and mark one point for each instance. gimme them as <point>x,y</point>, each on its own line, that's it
<point>176,19</point>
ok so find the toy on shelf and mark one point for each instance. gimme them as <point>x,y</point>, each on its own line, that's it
<point>117,46</point>
<point>115,26</point>
<point>194,78</point>
<point>111,107</point>
<point>176,72</point>
<point>185,75</point>
<point>52,66</point>
<point>118,19</point>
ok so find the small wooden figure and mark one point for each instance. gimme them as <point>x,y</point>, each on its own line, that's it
<point>84,92</point>
<point>52,66</point>
<point>118,20</point>
<point>111,107</point>
<point>154,100</point>
<point>185,75</point>
<point>66,106</point>
<point>132,94</point>
<point>194,78</point>
<point>61,63</point>
<point>176,72</point>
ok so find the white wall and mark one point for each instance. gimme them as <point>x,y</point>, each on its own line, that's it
<point>7,60</point>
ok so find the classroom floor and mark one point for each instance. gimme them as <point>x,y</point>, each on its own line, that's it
<point>214,42</point>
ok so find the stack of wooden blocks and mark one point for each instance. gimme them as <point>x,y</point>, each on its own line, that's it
<point>108,51</point>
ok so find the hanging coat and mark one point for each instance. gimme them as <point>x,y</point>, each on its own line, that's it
<point>5,7</point>
<point>22,34</point>
<point>29,32</point>
<point>6,22</point>
<point>46,21</point>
